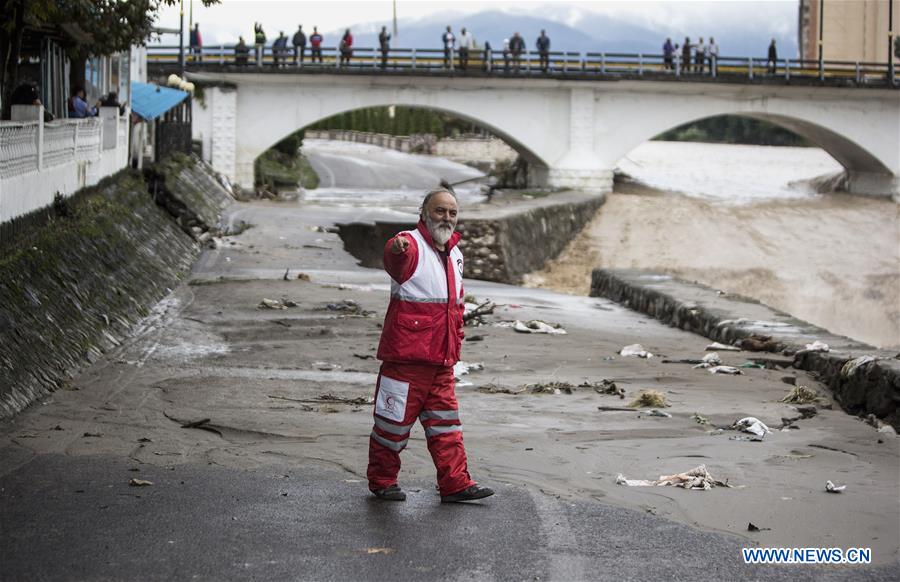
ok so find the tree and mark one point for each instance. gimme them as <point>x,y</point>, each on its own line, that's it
<point>104,27</point>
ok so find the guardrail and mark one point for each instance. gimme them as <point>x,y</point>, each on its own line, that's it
<point>528,64</point>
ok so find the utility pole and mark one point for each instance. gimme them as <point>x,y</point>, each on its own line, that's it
<point>891,42</point>
<point>395,21</point>
<point>821,31</point>
<point>181,38</point>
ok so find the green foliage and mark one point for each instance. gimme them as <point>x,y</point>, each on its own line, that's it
<point>406,121</point>
<point>290,145</point>
<point>733,129</point>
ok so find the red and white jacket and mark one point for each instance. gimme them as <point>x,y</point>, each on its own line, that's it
<point>424,319</point>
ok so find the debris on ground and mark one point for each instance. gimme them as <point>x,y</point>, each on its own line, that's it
<point>385,551</point>
<point>326,399</point>
<point>551,388</point>
<point>724,370</point>
<point>615,409</point>
<point>832,488</point>
<point>801,395</point>
<point>853,365</point>
<point>760,343</point>
<point>475,338</point>
<point>816,346</point>
<point>805,412</point>
<point>752,527</point>
<point>696,478</point>
<point>140,483</point>
<point>537,326</point>
<point>497,389</point>
<point>202,424</point>
<point>604,386</point>
<point>708,361</point>
<point>276,303</point>
<point>364,356</point>
<point>699,419</point>
<point>636,351</point>
<point>722,347</point>
<point>751,425</point>
<point>475,312</point>
<point>750,438</point>
<point>650,399</point>
<point>877,423</point>
<point>746,365</point>
<point>347,307</point>
<point>462,368</point>
<point>661,413</point>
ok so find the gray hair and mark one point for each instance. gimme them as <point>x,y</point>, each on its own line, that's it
<point>433,193</point>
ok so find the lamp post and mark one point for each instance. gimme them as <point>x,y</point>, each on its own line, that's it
<point>395,21</point>
<point>821,32</point>
<point>891,42</point>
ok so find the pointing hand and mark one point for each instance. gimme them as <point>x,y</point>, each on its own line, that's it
<point>400,244</point>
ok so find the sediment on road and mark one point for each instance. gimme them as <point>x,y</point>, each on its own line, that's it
<point>501,243</point>
<point>74,288</point>
<point>870,388</point>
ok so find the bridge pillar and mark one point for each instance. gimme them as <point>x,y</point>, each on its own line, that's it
<point>580,167</point>
<point>873,184</point>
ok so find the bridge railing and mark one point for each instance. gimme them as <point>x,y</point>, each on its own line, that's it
<point>528,63</point>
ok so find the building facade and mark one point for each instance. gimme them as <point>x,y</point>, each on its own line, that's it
<point>852,30</point>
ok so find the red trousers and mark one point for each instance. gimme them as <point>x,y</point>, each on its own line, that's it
<point>405,392</point>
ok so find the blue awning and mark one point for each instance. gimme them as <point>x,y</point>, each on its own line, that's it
<point>150,101</point>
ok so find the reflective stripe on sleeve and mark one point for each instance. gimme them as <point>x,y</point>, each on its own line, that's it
<point>439,414</point>
<point>399,430</point>
<point>394,446</point>
<point>406,297</point>
<point>431,431</point>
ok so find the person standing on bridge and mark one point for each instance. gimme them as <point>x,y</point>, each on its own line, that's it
<point>712,56</point>
<point>260,40</point>
<point>449,44</point>
<point>466,43</point>
<point>346,47</point>
<point>543,48</point>
<point>516,48</point>
<point>699,56</point>
<point>241,51</point>
<point>384,43</point>
<point>686,55</point>
<point>420,343</point>
<point>505,55</point>
<point>315,45</point>
<point>279,50</point>
<point>668,54</point>
<point>299,42</point>
<point>772,61</point>
<point>196,43</point>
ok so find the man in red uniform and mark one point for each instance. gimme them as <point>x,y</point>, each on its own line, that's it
<point>420,342</point>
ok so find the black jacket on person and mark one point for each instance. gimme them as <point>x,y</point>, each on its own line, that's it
<point>299,39</point>
<point>773,53</point>
<point>543,44</point>
<point>384,39</point>
<point>516,45</point>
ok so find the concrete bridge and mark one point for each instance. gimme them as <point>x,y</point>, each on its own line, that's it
<point>572,132</point>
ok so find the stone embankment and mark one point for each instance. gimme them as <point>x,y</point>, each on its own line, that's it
<point>860,386</point>
<point>500,244</point>
<point>75,287</point>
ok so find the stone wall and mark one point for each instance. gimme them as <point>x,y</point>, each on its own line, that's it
<point>872,388</point>
<point>73,289</point>
<point>500,244</point>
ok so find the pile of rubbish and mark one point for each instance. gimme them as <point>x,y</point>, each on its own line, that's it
<point>650,399</point>
<point>347,308</point>
<point>537,326</point>
<point>635,351</point>
<point>697,478</point>
<point>282,303</point>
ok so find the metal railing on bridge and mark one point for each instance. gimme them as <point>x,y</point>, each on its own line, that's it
<point>560,64</point>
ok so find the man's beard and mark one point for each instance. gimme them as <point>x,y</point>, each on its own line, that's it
<point>440,231</point>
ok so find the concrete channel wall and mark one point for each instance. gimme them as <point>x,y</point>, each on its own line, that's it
<point>73,289</point>
<point>500,244</point>
<point>870,388</point>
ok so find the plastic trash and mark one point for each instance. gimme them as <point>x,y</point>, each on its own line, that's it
<point>752,425</point>
<point>635,350</point>
<point>832,488</point>
<point>725,370</point>
<point>537,326</point>
<point>853,365</point>
<point>722,347</point>
<point>696,478</point>
<point>816,346</point>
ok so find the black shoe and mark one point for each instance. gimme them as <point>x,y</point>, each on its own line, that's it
<point>392,493</point>
<point>468,494</point>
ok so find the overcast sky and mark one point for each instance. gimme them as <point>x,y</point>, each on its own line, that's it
<point>224,22</point>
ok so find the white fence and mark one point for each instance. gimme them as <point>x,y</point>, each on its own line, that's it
<point>39,159</point>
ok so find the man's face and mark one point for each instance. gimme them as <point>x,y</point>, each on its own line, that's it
<point>440,217</point>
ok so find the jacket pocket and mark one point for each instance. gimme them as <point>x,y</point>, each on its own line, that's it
<point>415,337</point>
<point>414,322</point>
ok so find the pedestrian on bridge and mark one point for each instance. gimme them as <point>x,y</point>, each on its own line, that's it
<point>420,342</point>
<point>543,48</point>
<point>516,48</point>
<point>260,40</point>
<point>196,43</point>
<point>699,56</point>
<point>449,44</point>
<point>346,47</point>
<point>712,56</point>
<point>668,54</point>
<point>466,43</point>
<point>686,55</point>
<point>299,42</point>
<point>505,55</point>
<point>315,45</point>
<point>241,51</point>
<point>772,61</point>
<point>279,49</point>
<point>384,42</point>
